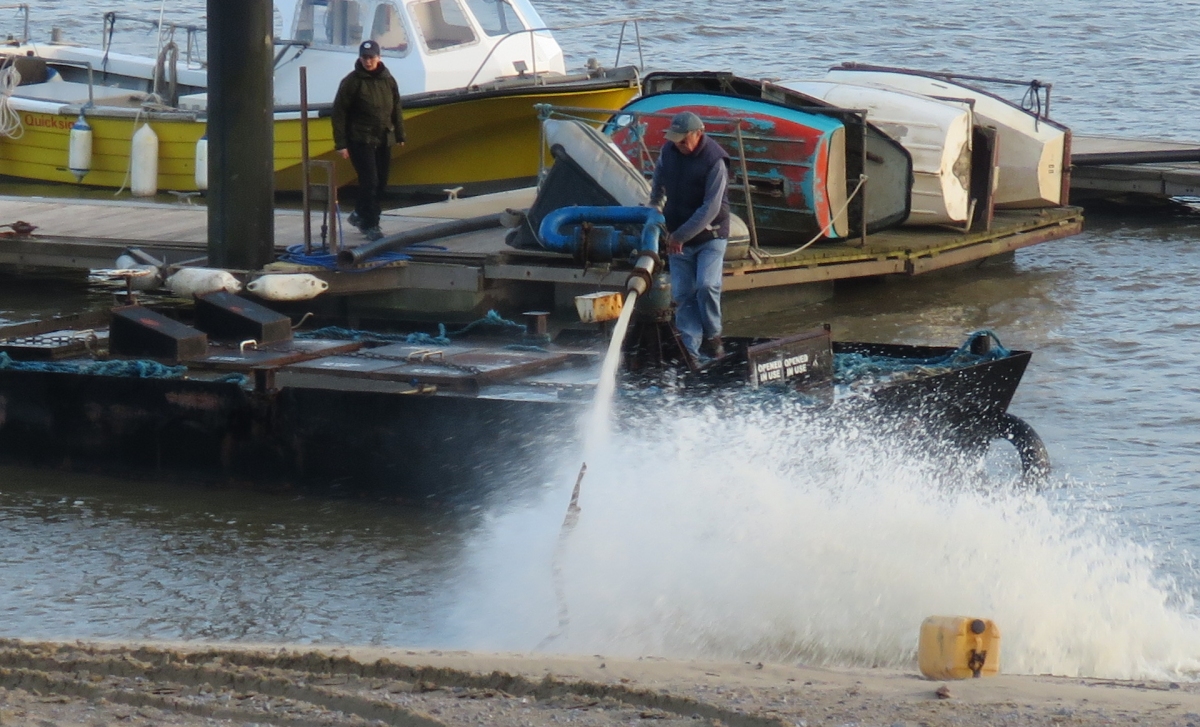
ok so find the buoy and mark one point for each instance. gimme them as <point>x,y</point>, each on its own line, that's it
<point>187,282</point>
<point>144,163</point>
<point>298,286</point>
<point>958,647</point>
<point>202,163</point>
<point>79,150</point>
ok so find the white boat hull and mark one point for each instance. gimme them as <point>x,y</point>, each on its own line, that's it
<point>937,134</point>
<point>1032,150</point>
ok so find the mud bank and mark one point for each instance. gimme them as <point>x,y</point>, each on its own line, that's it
<point>92,684</point>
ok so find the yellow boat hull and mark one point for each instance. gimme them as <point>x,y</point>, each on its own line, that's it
<point>473,141</point>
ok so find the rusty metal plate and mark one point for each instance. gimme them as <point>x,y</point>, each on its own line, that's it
<point>505,365</point>
<point>274,355</point>
<point>54,346</point>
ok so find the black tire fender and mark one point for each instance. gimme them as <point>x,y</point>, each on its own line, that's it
<point>1035,460</point>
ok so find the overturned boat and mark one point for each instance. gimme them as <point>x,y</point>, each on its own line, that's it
<point>801,168</point>
<point>936,133</point>
<point>1033,152</point>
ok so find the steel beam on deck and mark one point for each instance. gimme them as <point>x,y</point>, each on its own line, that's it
<point>241,163</point>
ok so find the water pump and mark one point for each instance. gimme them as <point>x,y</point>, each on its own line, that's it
<point>590,235</point>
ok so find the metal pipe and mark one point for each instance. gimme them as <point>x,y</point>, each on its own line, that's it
<point>356,255</point>
<point>553,237</point>
<point>305,180</point>
<point>746,187</point>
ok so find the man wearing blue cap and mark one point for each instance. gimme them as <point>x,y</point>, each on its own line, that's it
<point>692,172</point>
<point>367,123</point>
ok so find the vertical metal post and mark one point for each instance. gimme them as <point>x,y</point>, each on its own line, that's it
<point>241,138</point>
<point>862,191</point>
<point>620,44</point>
<point>737,126</point>
<point>304,171</point>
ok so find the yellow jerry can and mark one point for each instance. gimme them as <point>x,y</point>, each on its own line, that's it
<point>959,647</point>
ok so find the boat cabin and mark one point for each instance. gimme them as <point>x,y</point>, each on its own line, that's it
<point>428,45</point>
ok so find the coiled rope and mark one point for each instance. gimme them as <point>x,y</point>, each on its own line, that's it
<point>852,367</point>
<point>321,257</point>
<point>10,120</point>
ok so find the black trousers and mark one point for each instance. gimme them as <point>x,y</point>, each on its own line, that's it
<point>372,164</point>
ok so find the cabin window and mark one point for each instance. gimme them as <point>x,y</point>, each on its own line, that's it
<point>388,29</point>
<point>330,22</point>
<point>496,17</point>
<point>443,23</point>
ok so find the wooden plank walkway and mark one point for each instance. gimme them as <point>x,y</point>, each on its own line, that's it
<point>1115,167</point>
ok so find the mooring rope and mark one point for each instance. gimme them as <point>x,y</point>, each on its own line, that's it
<point>862,179</point>
<point>443,337</point>
<point>129,369</point>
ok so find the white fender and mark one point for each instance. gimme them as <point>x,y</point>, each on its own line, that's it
<point>202,163</point>
<point>187,282</point>
<point>298,286</point>
<point>79,149</point>
<point>143,181</point>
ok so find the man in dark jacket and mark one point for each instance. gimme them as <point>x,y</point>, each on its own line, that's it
<point>692,172</point>
<point>367,123</point>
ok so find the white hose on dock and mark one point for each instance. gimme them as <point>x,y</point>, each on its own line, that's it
<point>10,121</point>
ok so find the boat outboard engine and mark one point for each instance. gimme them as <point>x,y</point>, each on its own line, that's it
<point>593,238</point>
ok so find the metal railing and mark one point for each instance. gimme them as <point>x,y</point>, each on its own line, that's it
<point>22,10</point>
<point>531,32</point>
<point>166,33</point>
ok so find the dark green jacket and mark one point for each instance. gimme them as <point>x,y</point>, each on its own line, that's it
<point>367,109</point>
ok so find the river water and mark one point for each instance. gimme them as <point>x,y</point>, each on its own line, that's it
<point>755,535</point>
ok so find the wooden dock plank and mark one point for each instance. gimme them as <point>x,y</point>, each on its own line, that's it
<point>133,222</point>
<point>1085,144</point>
<point>1130,168</point>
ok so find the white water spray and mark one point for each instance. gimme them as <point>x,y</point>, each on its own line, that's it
<point>752,532</point>
<point>598,424</point>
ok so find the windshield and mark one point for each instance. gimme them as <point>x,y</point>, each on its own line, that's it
<point>496,17</point>
<point>330,22</point>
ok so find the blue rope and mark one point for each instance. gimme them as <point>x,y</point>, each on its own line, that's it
<point>337,333</point>
<point>849,367</point>
<point>295,254</point>
<point>133,369</point>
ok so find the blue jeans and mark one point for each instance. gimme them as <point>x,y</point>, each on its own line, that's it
<point>696,291</point>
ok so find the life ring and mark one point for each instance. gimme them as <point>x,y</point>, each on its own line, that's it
<point>1035,460</point>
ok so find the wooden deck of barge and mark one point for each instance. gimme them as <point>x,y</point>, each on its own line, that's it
<point>469,273</point>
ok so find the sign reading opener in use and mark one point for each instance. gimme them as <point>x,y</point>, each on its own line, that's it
<point>802,362</point>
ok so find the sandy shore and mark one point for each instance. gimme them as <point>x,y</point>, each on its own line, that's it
<point>89,685</point>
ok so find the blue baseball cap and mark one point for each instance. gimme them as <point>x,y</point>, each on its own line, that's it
<point>683,124</point>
